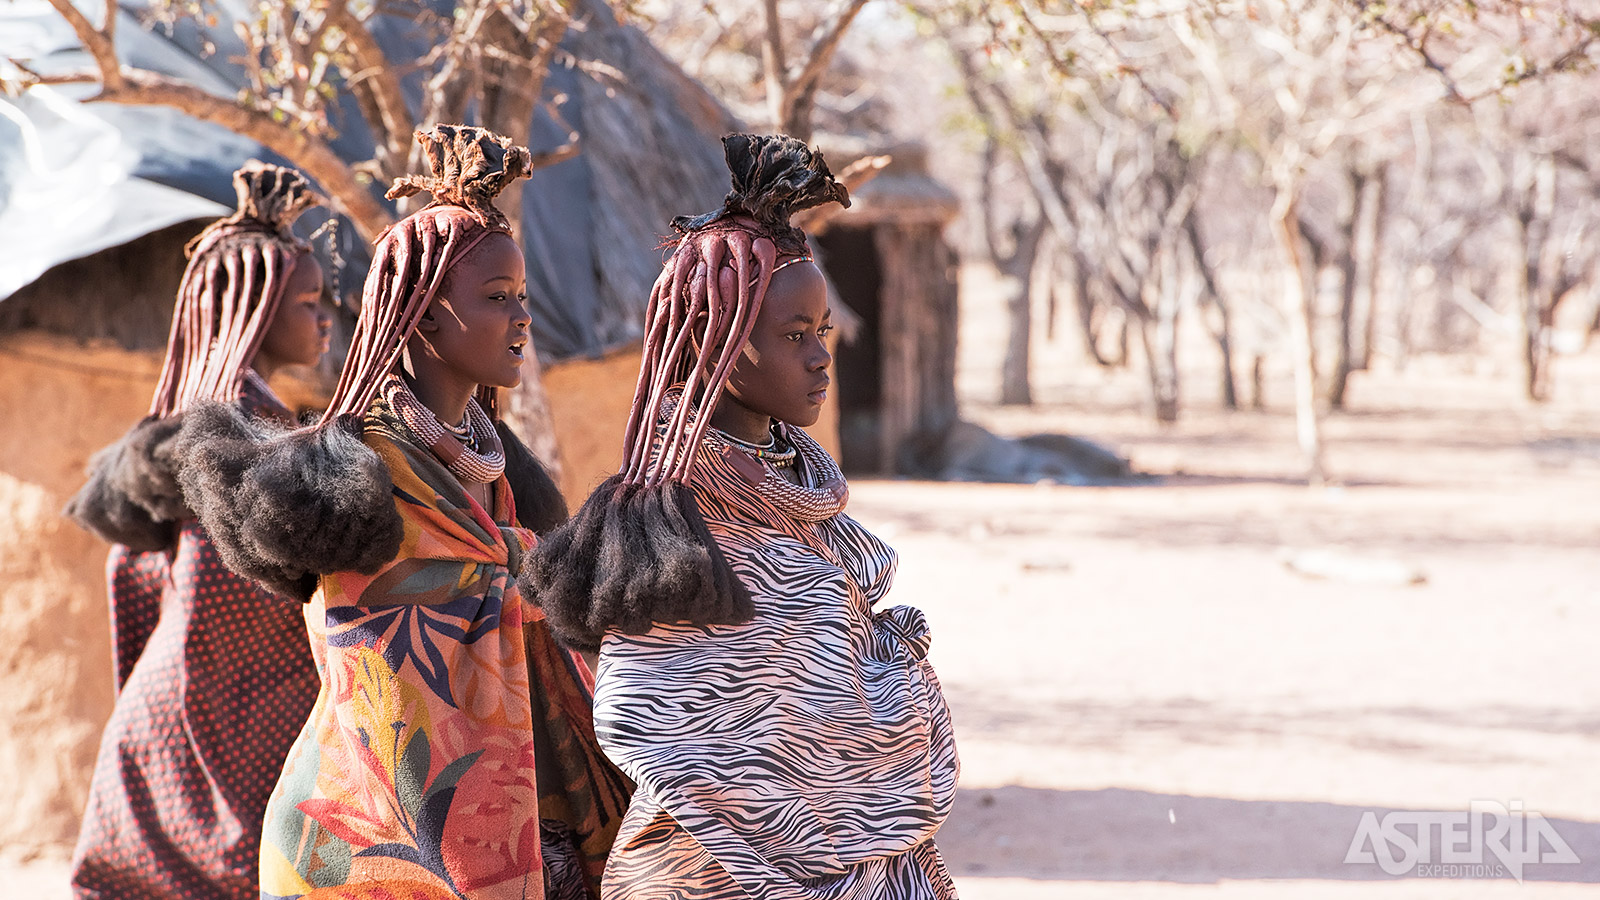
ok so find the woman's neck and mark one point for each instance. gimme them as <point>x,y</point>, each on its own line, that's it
<point>265,366</point>
<point>445,397</point>
<point>734,418</point>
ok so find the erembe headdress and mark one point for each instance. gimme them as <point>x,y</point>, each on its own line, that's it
<point>638,551</point>
<point>285,507</point>
<point>239,268</point>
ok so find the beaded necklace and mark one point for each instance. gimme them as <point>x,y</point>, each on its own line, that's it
<point>475,456</point>
<point>769,452</point>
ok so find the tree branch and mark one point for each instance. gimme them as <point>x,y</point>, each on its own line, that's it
<point>97,42</point>
<point>305,151</point>
<point>394,119</point>
<point>774,67</point>
<point>825,45</point>
<point>31,77</point>
<point>797,96</point>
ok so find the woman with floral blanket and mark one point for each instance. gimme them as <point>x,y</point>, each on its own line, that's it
<point>450,753</point>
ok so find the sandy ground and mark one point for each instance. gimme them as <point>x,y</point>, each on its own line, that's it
<point>1152,703</point>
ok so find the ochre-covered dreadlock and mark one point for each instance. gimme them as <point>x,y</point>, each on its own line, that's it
<point>285,507</point>
<point>238,270</point>
<point>638,552</point>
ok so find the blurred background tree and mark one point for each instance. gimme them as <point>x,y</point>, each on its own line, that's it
<point>1334,179</point>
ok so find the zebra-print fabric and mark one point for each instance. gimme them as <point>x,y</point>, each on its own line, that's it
<point>807,754</point>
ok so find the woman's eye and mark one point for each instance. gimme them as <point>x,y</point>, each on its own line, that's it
<point>824,331</point>
<point>795,336</point>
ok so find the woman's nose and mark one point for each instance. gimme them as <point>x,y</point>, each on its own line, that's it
<point>822,358</point>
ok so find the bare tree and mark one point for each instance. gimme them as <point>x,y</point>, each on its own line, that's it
<point>1014,254</point>
<point>792,90</point>
<point>298,56</point>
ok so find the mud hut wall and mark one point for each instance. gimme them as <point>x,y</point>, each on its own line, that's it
<point>62,401</point>
<point>918,307</point>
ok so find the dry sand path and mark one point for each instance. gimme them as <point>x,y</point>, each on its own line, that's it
<point>1151,703</point>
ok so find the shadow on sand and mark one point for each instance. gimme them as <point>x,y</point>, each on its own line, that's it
<point>1116,834</point>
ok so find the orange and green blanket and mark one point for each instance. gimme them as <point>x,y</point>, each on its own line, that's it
<point>451,751</point>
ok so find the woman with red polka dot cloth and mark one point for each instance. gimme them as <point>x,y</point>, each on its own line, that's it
<point>214,677</point>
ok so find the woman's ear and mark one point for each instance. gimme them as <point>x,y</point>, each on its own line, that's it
<point>428,324</point>
<point>697,331</point>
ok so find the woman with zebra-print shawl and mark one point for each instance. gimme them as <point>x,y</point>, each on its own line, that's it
<point>788,739</point>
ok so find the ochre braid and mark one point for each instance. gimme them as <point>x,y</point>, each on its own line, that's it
<point>238,270</point>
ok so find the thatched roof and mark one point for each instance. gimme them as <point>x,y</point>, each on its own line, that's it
<point>79,179</point>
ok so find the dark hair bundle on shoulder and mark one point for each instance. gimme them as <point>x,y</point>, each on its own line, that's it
<point>284,506</point>
<point>638,552</point>
<point>633,556</point>
<point>132,495</point>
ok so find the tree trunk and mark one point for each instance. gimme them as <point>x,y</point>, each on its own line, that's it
<point>510,95</point>
<point>1083,303</point>
<point>1534,212</point>
<point>1160,334</point>
<point>1343,352</point>
<point>1016,270</point>
<point>1357,268</point>
<point>1222,329</point>
<point>1370,216</point>
<point>1297,310</point>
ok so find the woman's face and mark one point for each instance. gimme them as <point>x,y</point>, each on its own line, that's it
<point>298,334</point>
<point>477,325</point>
<point>783,372</point>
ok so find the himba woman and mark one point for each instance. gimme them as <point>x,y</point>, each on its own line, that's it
<point>787,740</point>
<point>213,674</point>
<point>451,751</point>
